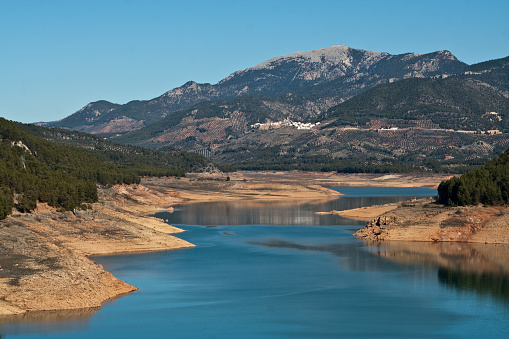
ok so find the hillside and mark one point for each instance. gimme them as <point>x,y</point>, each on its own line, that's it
<point>377,112</point>
<point>452,103</point>
<point>439,124</point>
<point>214,122</point>
<point>33,169</point>
<point>142,161</point>
<point>488,185</point>
<point>493,73</point>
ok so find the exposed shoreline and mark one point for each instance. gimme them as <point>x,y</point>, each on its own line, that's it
<point>364,213</point>
<point>425,221</point>
<point>44,261</point>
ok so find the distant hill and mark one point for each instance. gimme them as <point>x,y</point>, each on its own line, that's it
<point>443,123</point>
<point>377,112</point>
<point>455,103</point>
<point>214,122</point>
<point>328,76</point>
<point>493,73</point>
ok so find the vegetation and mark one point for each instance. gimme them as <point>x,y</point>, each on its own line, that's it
<point>253,110</point>
<point>488,185</point>
<point>452,103</point>
<point>33,169</point>
<point>270,158</point>
<point>448,121</point>
<point>142,161</point>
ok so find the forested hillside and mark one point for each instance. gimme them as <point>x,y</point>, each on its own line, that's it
<point>493,72</point>
<point>33,169</point>
<point>452,103</point>
<point>142,161</point>
<point>487,185</point>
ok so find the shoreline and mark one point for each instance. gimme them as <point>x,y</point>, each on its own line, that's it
<point>423,220</point>
<point>45,264</point>
<point>364,213</point>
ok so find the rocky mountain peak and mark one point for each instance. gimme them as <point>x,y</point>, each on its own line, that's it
<point>189,88</point>
<point>338,56</point>
<point>446,54</point>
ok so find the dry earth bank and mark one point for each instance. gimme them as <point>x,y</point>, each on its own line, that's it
<point>44,262</point>
<point>424,220</point>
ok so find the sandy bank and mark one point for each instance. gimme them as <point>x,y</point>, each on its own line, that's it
<point>270,185</point>
<point>423,220</point>
<point>44,261</point>
<point>364,213</point>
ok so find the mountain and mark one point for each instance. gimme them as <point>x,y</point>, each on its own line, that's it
<point>215,122</point>
<point>327,76</point>
<point>103,117</point>
<point>331,109</point>
<point>337,72</point>
<point>411,124</point>
<point>494,73</point>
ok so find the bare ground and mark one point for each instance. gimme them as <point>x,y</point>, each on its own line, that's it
<point>424,220</point>
<point>44,262</point>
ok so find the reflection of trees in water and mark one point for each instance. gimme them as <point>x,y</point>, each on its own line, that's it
<point>353,256</point>
<point>496,285</point>
<point>474,268</point>
<point>470,267</point>
<point>278,212</point>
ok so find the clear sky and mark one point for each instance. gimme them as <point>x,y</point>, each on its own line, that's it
<point>57,56</point>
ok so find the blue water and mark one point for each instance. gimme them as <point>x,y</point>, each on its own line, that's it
<point>385,191</point>
<point>299,275</point>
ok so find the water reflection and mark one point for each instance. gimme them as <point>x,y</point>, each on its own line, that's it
<point>287,212</point>
<point>470,267</point>
<point>496,285</point>
<point>353,255</point>
<point>479,268</point>
<point>46,321</point>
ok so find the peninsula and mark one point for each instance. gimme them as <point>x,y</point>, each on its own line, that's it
<point>425,220</point>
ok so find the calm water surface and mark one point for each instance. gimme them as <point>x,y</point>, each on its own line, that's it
<point>278,270</point>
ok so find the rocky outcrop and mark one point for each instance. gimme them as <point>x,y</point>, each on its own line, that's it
<point>377,228</point>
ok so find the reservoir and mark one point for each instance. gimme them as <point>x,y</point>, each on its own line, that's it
<point>279,270</point>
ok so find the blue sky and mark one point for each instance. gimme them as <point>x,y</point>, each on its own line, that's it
<point>57,56</point>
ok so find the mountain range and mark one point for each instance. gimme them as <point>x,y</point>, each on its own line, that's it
<point>433,106</point>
